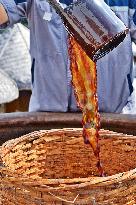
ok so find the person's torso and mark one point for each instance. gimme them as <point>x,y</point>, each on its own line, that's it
<point>115,69</point>
<point>49,46</point>
<point>49,49</point>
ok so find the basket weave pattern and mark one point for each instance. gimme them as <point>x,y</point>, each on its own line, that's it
<point>55,167</point>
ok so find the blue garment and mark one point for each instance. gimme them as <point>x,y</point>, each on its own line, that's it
<point>67,2</point>
<point>134,17</point>
<point>131,4</point>
<point>115,70</point>
<point>52,89</point>
<point>19,1</point>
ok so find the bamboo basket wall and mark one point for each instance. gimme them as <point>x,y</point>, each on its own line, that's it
<point>54,167</point>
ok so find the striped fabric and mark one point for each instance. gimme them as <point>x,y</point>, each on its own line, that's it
<point>129,3</point>
<point>19,1</point>
<point>123,5</point>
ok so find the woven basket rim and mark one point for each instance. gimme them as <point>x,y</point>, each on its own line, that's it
<point>40,133</point>
<point>73,183</point>
<point>102,132</point>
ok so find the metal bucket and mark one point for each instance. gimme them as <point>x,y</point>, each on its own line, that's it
<point>94,25</point>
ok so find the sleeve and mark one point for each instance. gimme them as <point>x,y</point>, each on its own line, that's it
<point>132,19</point>
<point>14,12</point>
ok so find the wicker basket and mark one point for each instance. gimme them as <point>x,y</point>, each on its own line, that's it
<point>54,167</point>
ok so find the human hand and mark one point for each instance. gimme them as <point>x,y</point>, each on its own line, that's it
<point>3,15</point>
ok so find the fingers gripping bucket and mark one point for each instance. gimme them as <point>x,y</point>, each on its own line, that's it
<point>55,167</point>
<point>94,25</point>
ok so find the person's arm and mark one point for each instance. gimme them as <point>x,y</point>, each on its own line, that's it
<point>10,13</point>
